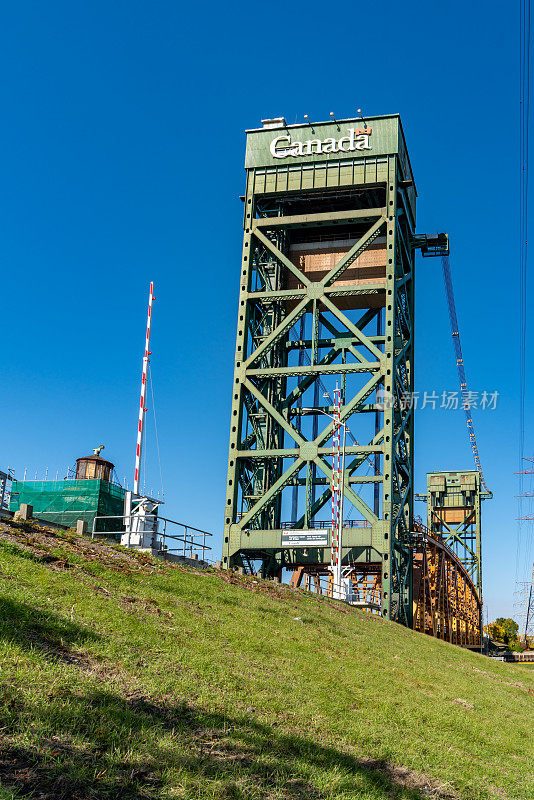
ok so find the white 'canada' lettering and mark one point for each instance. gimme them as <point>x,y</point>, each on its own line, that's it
<point>357,139</point>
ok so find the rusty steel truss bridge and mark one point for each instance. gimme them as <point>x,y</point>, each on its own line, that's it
<point>326,305</point>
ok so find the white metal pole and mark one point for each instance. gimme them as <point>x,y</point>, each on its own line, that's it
<point>142,408</point>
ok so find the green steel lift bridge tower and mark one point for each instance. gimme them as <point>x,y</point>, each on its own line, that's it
<point>326,297</point>
<point>454,514</point>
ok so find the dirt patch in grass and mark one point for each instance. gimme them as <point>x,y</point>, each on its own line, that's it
<point>409,779</point>
<point>142,604</point>
<point>464,703</point>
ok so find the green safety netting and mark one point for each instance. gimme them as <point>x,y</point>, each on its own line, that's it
<point>64,502</point>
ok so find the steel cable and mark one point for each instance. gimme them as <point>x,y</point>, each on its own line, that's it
<point>447,277</point>
<point>524,117</point>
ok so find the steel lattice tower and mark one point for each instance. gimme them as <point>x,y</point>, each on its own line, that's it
<point>454,514</point>
<point>326,295</point>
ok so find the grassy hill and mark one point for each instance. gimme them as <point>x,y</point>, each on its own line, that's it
<point>122,677</point>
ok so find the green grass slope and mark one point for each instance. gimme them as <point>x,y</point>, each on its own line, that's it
<point>121,677</point>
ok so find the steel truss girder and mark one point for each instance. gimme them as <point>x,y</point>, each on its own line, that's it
<point>304,220</point>
<point>447,604</point>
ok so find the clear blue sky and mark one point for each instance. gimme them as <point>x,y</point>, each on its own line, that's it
<point>122,143</point>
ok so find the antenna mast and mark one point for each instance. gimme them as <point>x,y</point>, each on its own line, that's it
<point>142,405</point>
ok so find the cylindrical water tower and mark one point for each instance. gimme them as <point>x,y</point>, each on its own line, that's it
<point>94,467</point>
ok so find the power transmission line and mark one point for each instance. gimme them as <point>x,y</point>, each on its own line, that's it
<point>524,118</point>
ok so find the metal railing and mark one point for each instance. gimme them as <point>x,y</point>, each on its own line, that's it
<point>361,596</point>
<point>419,527</point>
<point>514,657</point>
<point>189,545</point>
<point>6,479</point>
